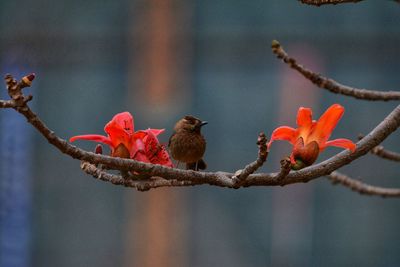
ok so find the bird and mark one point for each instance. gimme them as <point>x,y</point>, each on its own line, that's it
<point>187,144</point>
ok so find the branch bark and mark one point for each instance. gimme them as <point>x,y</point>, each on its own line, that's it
<point>140,185</point>
<point>285,169</point>
<point>332,85</point>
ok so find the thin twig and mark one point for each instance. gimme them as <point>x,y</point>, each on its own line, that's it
<point>7,104</point>
<point>363,188</point>
<point>285,169</point>
<point>327,2</point>
<point>241,175</point>
<point>380,151</point>
<point>140,185</point>
<point>330,84</point>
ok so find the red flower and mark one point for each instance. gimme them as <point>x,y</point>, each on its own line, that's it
<point>126,143</point>
<point>311,137</point>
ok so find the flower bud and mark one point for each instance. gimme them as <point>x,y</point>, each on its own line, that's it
<point>304,155</point>
<point>27,80</point>
<point>98,149</point>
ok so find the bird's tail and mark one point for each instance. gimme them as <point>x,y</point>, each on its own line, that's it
<point>199,165</point>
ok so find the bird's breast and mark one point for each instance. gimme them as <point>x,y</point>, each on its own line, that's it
<point>187,147</point>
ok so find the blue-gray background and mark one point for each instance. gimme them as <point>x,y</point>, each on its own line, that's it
<point>161,60</point>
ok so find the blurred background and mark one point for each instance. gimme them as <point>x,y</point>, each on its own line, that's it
<point>161,60</point>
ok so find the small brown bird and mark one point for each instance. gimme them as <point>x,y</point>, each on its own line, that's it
<point>187,144</point>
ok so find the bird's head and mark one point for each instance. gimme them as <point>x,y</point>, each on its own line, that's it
<point>189,124</point>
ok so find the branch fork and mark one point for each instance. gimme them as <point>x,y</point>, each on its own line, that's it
<point>241,175</point>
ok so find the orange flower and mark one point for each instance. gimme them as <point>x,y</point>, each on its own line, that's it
<point>311,137</point>
<point>126,143</point>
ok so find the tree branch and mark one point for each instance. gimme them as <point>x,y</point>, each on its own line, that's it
<point>363,188</point>
<point>327,2</point>
<point>332,85</point>
<point>7,104</point>
<point>222,179</point>
<point>380,151</point>
<point>140,185</point>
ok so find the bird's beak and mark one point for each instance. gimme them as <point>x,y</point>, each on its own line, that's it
<point>203,123</point>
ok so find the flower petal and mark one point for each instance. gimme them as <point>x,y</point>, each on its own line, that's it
<point>283,133</point>
<point>326,123</point>
<point>120,130</point>
<point>139,135</point>
<point>304,123</point>
<point>123,120</point>
<point>156,152</point>
<point>93,137</point>
<point>155,131</point>
<point>141,156</point>
<point>341,142</point>
<point>148,149</point>
<point>304,117</point>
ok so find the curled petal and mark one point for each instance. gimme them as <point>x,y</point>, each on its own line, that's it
<point>155,131</point>
<point>141,134</point>
<point>326,123</point>
<point>93,137</point>
<point>343,143</point>
<point>283,133</point>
